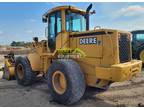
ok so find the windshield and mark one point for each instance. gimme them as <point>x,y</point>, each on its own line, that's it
<point>75,22</point>
<point>139,36</point>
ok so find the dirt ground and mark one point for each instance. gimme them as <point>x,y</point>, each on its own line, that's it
<point>129,93</point>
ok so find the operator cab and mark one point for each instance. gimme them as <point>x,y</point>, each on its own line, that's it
<point>137,42</point>
<point>137,38</point>
<point>65,19</point>
<point>138,35</point>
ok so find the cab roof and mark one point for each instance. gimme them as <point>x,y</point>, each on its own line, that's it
<point>44,17</point>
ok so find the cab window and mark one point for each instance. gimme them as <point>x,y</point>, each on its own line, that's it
<point>54,27</point>
<point>139,37</point>
<point>75,21</point>
<point>54,24</point>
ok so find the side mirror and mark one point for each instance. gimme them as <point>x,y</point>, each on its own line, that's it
<point>44,18</point>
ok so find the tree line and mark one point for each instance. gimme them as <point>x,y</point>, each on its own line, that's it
<point>18,43</point>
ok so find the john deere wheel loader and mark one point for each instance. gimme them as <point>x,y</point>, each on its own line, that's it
<point>75,57</point>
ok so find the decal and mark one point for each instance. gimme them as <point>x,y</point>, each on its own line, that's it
<point>89,40</point>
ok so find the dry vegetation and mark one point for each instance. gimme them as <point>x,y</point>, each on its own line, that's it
<point>16,50</point>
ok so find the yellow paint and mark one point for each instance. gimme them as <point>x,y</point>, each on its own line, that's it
<point>119,72</point>
<point>59,82</point>
<point>10,67</point>
<point>35,61</point>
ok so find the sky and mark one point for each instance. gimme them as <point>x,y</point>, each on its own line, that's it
<point>23,21</point>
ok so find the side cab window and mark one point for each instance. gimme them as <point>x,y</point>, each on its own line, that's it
<point>54,27</point>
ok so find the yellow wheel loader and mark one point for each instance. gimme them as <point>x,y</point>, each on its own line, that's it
<point>75,57</point>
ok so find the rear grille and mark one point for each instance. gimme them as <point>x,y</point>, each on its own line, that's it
<point>124,48</point>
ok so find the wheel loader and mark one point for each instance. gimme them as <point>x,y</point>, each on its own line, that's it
<point>74,57</point>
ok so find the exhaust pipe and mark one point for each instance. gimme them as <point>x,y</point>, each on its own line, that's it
<point>87,16</point>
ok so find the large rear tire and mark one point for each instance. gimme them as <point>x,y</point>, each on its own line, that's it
<point>66,81</point>
<point>23,72</point>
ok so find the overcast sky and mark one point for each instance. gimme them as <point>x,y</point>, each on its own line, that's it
<point>22,21</point>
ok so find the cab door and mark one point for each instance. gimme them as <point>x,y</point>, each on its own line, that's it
<point>54,27</point>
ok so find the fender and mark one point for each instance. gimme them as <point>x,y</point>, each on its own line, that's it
<point>34,60</point>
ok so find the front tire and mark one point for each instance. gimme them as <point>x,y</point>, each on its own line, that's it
<point>23,71</point>
<point>66,81</point>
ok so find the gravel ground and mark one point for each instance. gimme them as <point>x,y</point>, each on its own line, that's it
<point>128,93</point>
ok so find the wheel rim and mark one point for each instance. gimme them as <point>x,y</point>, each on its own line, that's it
<point>20,71</point>
<point>59,82</point>
<point>142,56</point>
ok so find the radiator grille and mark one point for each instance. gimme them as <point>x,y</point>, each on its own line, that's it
<point>124,48</point>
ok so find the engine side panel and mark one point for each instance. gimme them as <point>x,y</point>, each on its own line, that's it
<point>100,49</point>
